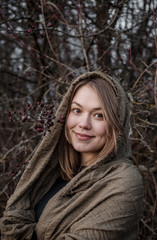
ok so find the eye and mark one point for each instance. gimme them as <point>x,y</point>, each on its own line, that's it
<point>76,110</point>
<point>99,115</point>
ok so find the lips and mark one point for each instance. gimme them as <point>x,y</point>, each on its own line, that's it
<point>83,137</point>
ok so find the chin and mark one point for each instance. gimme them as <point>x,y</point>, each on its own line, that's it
<point>80,148</point>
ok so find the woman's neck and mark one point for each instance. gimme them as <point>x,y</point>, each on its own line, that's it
<point>87,159</point>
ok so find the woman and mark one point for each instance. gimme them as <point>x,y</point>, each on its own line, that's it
<point>81,183</point>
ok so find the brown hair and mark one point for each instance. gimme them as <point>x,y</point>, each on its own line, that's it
<point>69,159</point>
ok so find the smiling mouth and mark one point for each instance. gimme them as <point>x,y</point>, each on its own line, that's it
<point>83,137</point>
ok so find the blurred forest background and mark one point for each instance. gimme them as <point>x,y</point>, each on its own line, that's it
<point>44,45</point>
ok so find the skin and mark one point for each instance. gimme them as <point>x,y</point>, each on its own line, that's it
<point>86,123</point>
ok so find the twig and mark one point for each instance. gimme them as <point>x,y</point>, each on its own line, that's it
<point>18,174</point>
<point>65,22</point>
<point>155,88</point>
<point>145,70</point>
<point>82,43</point>
<point>44,24</point>
<point>146,169</point>
<point>142,139</point>
<point>16,146</point>
<point>54,60</point>
<point>146,225</point>
<point>148,123</point>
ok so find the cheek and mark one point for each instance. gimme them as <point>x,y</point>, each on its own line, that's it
<point>71,121</point>
<point>100,129</point>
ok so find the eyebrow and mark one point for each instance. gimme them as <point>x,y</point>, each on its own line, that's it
<point>97,108</point>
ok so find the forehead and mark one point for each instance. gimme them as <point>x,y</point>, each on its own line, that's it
<point>87,95</point>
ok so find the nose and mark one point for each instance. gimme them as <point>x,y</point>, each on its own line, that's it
<point>85,122</point>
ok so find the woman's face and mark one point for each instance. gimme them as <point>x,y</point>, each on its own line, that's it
<point>86,123</point>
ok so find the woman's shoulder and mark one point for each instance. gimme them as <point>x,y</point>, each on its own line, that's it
<point>122,168</point>
<point>122,175</point>
<point>123,178</point>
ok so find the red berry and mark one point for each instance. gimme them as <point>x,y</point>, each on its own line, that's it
<point>51,106</point>
<point>39,129</point>
<point>13,174</point>
<point>42,120</point>
<point>49,24</point>
<point>42,35</point>
<point>62,117</point>
<point>24,118</point>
